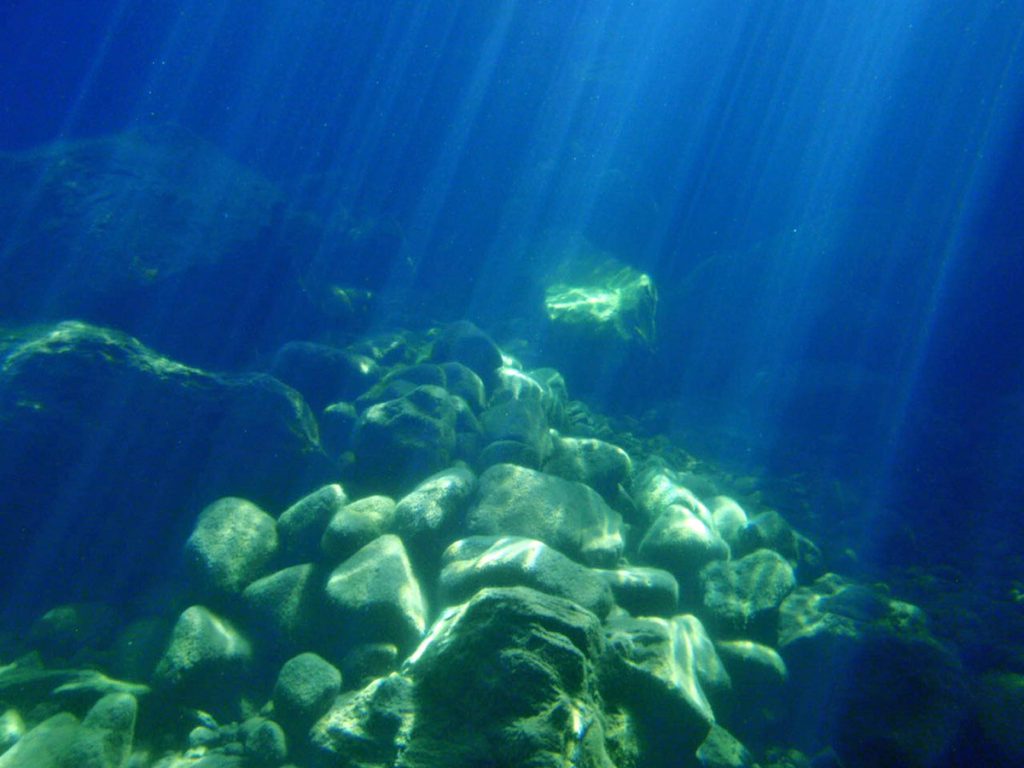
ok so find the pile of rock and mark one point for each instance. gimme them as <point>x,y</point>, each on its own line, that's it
<point>483,584</point>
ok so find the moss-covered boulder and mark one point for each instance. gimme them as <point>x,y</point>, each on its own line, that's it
<point>400,441</point>
<point>305,689</point>
<point>509,678</point>
<point>609,303</point>
<point>471,564</point>
<point>374,596</point>
<point>570,517</point>
<point>667,673</point>
<point>232,545</point>
<point>206,661</point>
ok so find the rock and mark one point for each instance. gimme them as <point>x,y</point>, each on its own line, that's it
<point>302,525</point>
<point>514,384</point>
<point>337,423</point>
<point>760,696</point>
<point>357,524</point>
<point>285,606</point>
<point>570,517</point>
<point>471,564</point>
<point>770,530</point>
<point>753,668</point>
<point>429,517</point>
<point>232,545</point>
<point>602,304</point>
<point>114,716</point>
<point>656,489</point>
<point>102,740</point>
<point>887,658</point>
<point>681,535</point>
<point>643,591</point>
<point>554,395</point>
<point>729,518</point>
<point>12,728</point>
<point>264,742</point>
<point>365,728</point>
<point>682,543</point>
<point>369,661</point>
<point>509,452</point>
<point>324,374</point>
<point>58,742</point>
<point>664,671</point>
<point>205,662</point>
<point>463,342</point>
<point>374,597</point>
<point>388,348</point>
<point>465,383</point>
<point>518,421</point>
<point>401,441</point>
<point>523,664</point>
<point>742,597</point>
<point>722,750</point>
<point>158,435</point>
<point>602,466</point>
<point>306,686</point>
<point>67,630</point>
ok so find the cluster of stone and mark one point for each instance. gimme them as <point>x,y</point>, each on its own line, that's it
<point>483,583</point>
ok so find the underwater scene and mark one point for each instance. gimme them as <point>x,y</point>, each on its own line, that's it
<point>511,383</point>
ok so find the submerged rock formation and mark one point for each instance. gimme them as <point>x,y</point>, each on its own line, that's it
<point>493,576</point>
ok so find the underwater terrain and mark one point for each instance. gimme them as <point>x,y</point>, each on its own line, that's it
<point>597,385</point>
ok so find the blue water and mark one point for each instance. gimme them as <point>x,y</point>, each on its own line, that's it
<point>829,197</point>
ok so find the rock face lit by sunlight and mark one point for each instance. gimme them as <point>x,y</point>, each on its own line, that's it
<point>578,384</point>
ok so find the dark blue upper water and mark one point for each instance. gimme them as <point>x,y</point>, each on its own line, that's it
<point>829,197</point>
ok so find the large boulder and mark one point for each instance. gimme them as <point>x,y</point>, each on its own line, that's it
<point>522,422</point>
<point>741,598</point>
<point>471,564</point>
<point>374,597</point>
<point>666,672</point>
<point>302,525</point>
<point>643,591</point>
<point>232,544</point>
<point>285,605</point>
<point>894,695</point>
<point>206,661</point>
<point>509,678</point>
<point>599,320</point>
<point>365,728</point>
<point>355,525</point>
<point>463,342</point>
<point>570,517</point>
<point>105,446</point>
<point>305,689</point>
<point>400,441</point>
<point>681,536</point>
<point>429,517</point>
<point>602,466</point>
